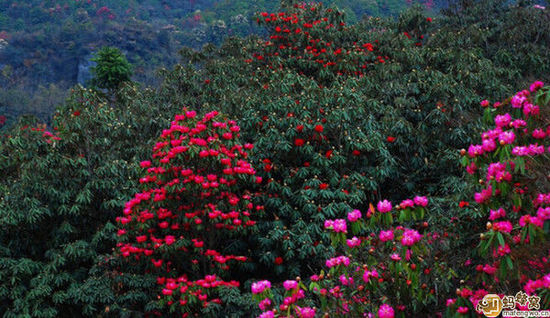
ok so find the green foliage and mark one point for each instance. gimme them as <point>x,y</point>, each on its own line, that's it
<point>60,196</point>
<point>112,69</point>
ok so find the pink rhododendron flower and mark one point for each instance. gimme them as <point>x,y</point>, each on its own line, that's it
<point>543,213</point>
<point>462,310</point>
<point>346,280</point>
<point>537,84</point>
<point>384,206</point>
<point>538,133</point>
<point>407,204</point>
<point>340,260</point>
<point>519,123</point>
<point>475,150</point>
<point>503,226</point>
<point>503,120</point>
<point>410,237</point>
<point>484,195</point>
<point>305,312</point>
<point>496,214</point>
<point>528,219</point>
<point>368,274</point>
<point>338,225</point>
<point>506,137</point>
<point>354,215</point>
<point>517,101</point>
<point>386,311</point>
<point>395,257</point>
<point>421,201</point>
<point>259,287</point>
<point>386,235</point>
<point>353,242</point>
<point>530,109</point>
<point>489,269</point>
<point>267,314</point>
<point>290,284</point>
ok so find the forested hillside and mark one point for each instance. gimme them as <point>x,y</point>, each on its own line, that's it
<point>46,46</point>
<point>394,166</point>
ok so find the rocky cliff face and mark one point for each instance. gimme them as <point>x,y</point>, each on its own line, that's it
<point>84,69</point>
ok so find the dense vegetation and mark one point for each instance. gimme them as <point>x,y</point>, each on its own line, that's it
<point>46,46</point>
<point>268,169</point>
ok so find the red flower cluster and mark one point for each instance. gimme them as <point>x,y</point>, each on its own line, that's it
<point>192,201</point>
<point>302,37</point>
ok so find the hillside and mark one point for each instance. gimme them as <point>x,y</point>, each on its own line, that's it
<point>46,46</point>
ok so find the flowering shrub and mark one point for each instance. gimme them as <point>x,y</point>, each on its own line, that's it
<point>191,208</point>
<point>510,166</point>
<point>381,268</point>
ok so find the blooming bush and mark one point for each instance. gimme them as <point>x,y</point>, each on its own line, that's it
<point>511,168</point>
<point>309,38</point>
<point>381,268</point>
<point>193,205</point>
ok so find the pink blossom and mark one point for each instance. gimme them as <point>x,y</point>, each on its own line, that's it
<point>290,284</point>
<point>462,310</point>
<point>530,109</point>
<point>264,304</point>
<point>407,204</point>
<point>538,133</point>
<point>169,239</point>
<point>353,242</point>
<point>517,101</point>
<point>410,237</point>
<point>537,84</point>
<point>471,168</point>
<point>386,235</point>
<point>527,219</point>
<point>543,213</point>
<point>338,225</point>
<point>346,280</point>
<point>267,314</point>
<point>503,120</point>
<point>384,206</point>
<point>385,311</point>
<point>506,137</point>
<point>519,123</point>
<point>496,214</point>
<point>260,286</point>
<point>503,226</point>
<point>340,260</point>
<point>475,150</point>
<point>354,215</point>
<point>489,269</point>
<point>488,145</point>
<point>484,195</point>
<point>368,274</point>
<point>395,257</point>
<point>305,312</point>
